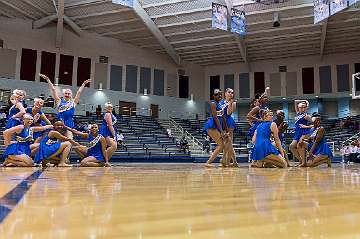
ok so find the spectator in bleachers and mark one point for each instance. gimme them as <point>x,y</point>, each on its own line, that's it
<point>207,144</point>
<point>98,112</point>
<point>120,139</point>
<point>353,151</point>
<point>345,152</point>
<point>183,144</point>
<point>108,129</point>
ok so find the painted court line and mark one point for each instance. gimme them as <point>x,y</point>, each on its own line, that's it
<point>9,201</point>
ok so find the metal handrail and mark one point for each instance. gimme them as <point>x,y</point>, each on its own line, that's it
<point>183,131</point>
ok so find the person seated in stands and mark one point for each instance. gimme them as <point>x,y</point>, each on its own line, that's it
<point>319,151</point>
<point>353,151</point>
<point>18,152</point>
<point>207,144</point>
<point>98,112</point>
<point>184,144</point>
<point>169,133</point>
<point>345,152</point>
<point>120,139</point>
<point>108,129</point>
<point>94,154</point>
<point>2,118</point>
<point>55,147</point>
<point>264,153</point>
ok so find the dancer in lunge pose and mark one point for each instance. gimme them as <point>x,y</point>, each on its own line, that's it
<point>108,129</point>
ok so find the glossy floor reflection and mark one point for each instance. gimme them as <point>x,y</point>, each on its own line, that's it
<point>185,201</point>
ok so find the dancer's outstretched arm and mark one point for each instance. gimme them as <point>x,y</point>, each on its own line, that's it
<point>78,93</point>
<point>52,88</point>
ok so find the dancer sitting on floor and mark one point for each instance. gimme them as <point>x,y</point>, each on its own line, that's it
<point>17,109</point>
<point>94,155</point>
<point>18,152</point>
<point>302,127</point>
<point>216,126</point>
<point>282,127</point>
<point>40,118</point>
<point>66,105</point>
<point>264,153</point>
<point>108,129</point>
<point>318,150</point>
<point>55,147</point>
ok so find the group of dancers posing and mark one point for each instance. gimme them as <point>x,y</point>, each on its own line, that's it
<point>31,139</point>
<point>308,146</point>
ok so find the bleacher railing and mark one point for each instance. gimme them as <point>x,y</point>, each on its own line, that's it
<point>181,130</point>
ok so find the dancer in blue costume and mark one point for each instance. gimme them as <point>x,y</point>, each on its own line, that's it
<point>216,126</point>
<point>302,127</point>
<point>255,114</point>
<point>108,129</point>
<point>17,110</point>
<point>66,105</point>
<point>40,118</point>
<point>55,147</point>
<point>264,153</point>
<point>229,108</point>
<point>282,127</point>
<point>318,150</point>
<point>94,155</point>
<point>18,152</point>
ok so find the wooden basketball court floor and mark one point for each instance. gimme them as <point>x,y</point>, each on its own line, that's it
<point>179,201</point>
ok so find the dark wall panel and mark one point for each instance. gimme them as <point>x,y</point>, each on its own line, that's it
<point>214,84</point>
<point>83,70</point>
<point>228,81</point>
<point>342,72</point>
<point>66,69</point>
<point>145,79</point>
<point>259,84</point>
<point>159,80</point>
<point>131,78</point>
<point>357,70</point>
<point>183,87</point>
<point>116,78</point>
<point>28,64</point>
<point>48,62</point>
<point>325,79</point>
<point>308,80</point>
<point>244,85</point>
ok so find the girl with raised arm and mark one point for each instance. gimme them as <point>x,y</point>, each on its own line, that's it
<point>94,155</point>
<point>66,105</point>
<point>318,150</point>
<point>108,129</point>
<point>264,153</point>
<point>55,146</point>
<point>216,126</point>
<point>18,152</point>
<point>17,109</point>
<point>302,127</point>
<point>40,118</point>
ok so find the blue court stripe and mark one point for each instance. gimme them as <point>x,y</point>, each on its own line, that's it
<point>12,198</point>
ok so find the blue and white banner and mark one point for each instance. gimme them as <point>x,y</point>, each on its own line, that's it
<point>337,6</point>
<point>127,3</point>
<point>238,22</point>
<point>219,17</point>
<point>321,10</point>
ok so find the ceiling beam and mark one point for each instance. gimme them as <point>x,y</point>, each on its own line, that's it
<point>8,4</point>
<point>176,33</point>
<point>6,14</point>
<point>73,26</point>
<point>36,7</point>
<point>201,39</point>
<point>323,38</point>
<point>206,45</point>
<point>44,21</point>
<point>156,32</point>
<point>175,14</point>
<point>84,2</point>
<point>159,4</point>
<point>60,24</point>
<point>284,36</point>
<point>123,31</point>
<point>98,14</point>
<point>106,24</point>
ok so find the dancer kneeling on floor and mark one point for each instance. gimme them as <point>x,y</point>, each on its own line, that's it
<point>18,152</point>
<point>319,151</point>
<point>55,147</point>
<point>264,153</point>
<point>94,155</point>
